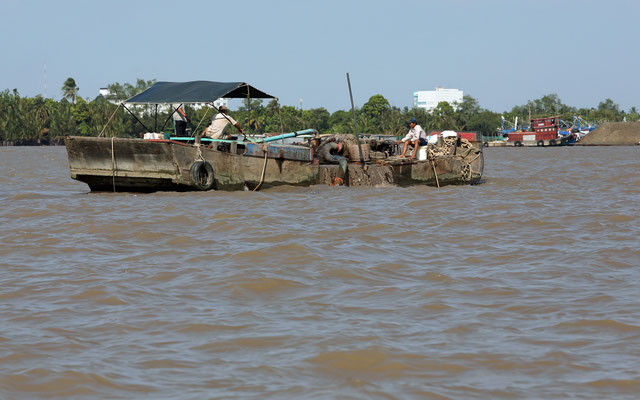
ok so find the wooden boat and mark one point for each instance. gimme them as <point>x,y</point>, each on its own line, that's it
<point>184,164</point>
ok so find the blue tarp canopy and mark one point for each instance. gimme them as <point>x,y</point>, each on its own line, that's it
<point>196,92</point>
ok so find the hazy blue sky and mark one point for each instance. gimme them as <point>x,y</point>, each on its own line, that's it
<point>502,52</point>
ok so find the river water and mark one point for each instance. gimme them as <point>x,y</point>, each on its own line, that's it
<point>523,287</point>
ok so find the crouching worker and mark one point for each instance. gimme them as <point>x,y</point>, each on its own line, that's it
<point>334,152</point>
<point>416,136</point>
<point>216,130</point>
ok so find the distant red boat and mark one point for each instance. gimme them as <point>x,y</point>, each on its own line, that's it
<point>542,132</point>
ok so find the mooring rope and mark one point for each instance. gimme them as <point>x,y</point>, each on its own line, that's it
<point>113,165</point>
<point>264,167</point>
<point>199,158</point>
<point>448,143</point>
<point>467,173</point>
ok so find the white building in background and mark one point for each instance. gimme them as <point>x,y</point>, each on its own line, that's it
<point>104,92</point>
<point>429,99</point>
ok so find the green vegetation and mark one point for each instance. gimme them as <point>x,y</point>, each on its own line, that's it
<point>70,90</point>
<point>37,120</point>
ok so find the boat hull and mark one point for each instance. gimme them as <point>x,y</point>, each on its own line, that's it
<point>134,165</point>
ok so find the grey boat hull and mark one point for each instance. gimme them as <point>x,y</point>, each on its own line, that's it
<point>136,165</point>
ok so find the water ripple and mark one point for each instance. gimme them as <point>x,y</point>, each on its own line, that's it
<point>522,287</point>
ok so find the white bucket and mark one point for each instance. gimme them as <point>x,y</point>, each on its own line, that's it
<point>422,152</point>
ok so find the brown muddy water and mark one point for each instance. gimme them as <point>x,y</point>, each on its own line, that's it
<point>523,287</point>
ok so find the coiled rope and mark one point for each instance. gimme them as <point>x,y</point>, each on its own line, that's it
<point>447,148</point>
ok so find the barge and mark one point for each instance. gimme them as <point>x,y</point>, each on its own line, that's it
<point>252,163</point>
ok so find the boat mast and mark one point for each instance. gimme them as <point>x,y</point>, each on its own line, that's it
<point>355,124</point>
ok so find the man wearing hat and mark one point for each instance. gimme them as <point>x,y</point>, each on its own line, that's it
<point>416,136</point>
<point>219,122</point>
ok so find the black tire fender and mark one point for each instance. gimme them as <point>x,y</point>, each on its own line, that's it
<point>517,143</point>
<point>540,143</point>
<point>485,144</point>
<point>202,175</point>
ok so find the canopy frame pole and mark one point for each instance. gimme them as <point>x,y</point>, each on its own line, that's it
<point>280,115</point>
<point>169,117</point>
<point>110,118</point>
<point>248,105</point>
<point>155,120</point>
<point>134,116</point>
<point>202,119</point>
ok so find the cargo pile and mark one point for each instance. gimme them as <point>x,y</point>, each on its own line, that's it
<point>613,134</point>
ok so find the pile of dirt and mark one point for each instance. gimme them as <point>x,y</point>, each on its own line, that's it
<point>613,134</point>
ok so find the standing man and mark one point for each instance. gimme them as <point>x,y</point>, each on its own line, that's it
<point>219,122</point>
<point>416,136</point>
<point>180,121</point>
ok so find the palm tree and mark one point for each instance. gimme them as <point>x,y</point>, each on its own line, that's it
<point>70,90</point>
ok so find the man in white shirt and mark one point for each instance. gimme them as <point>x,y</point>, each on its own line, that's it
<point>219,122</point>
<point>416,136</point>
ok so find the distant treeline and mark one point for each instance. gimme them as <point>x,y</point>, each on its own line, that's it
<point>36,120</point>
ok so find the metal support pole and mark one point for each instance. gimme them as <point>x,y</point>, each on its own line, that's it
<point>169,117</point>
<point>134,116</point>
<point>355,123</point>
